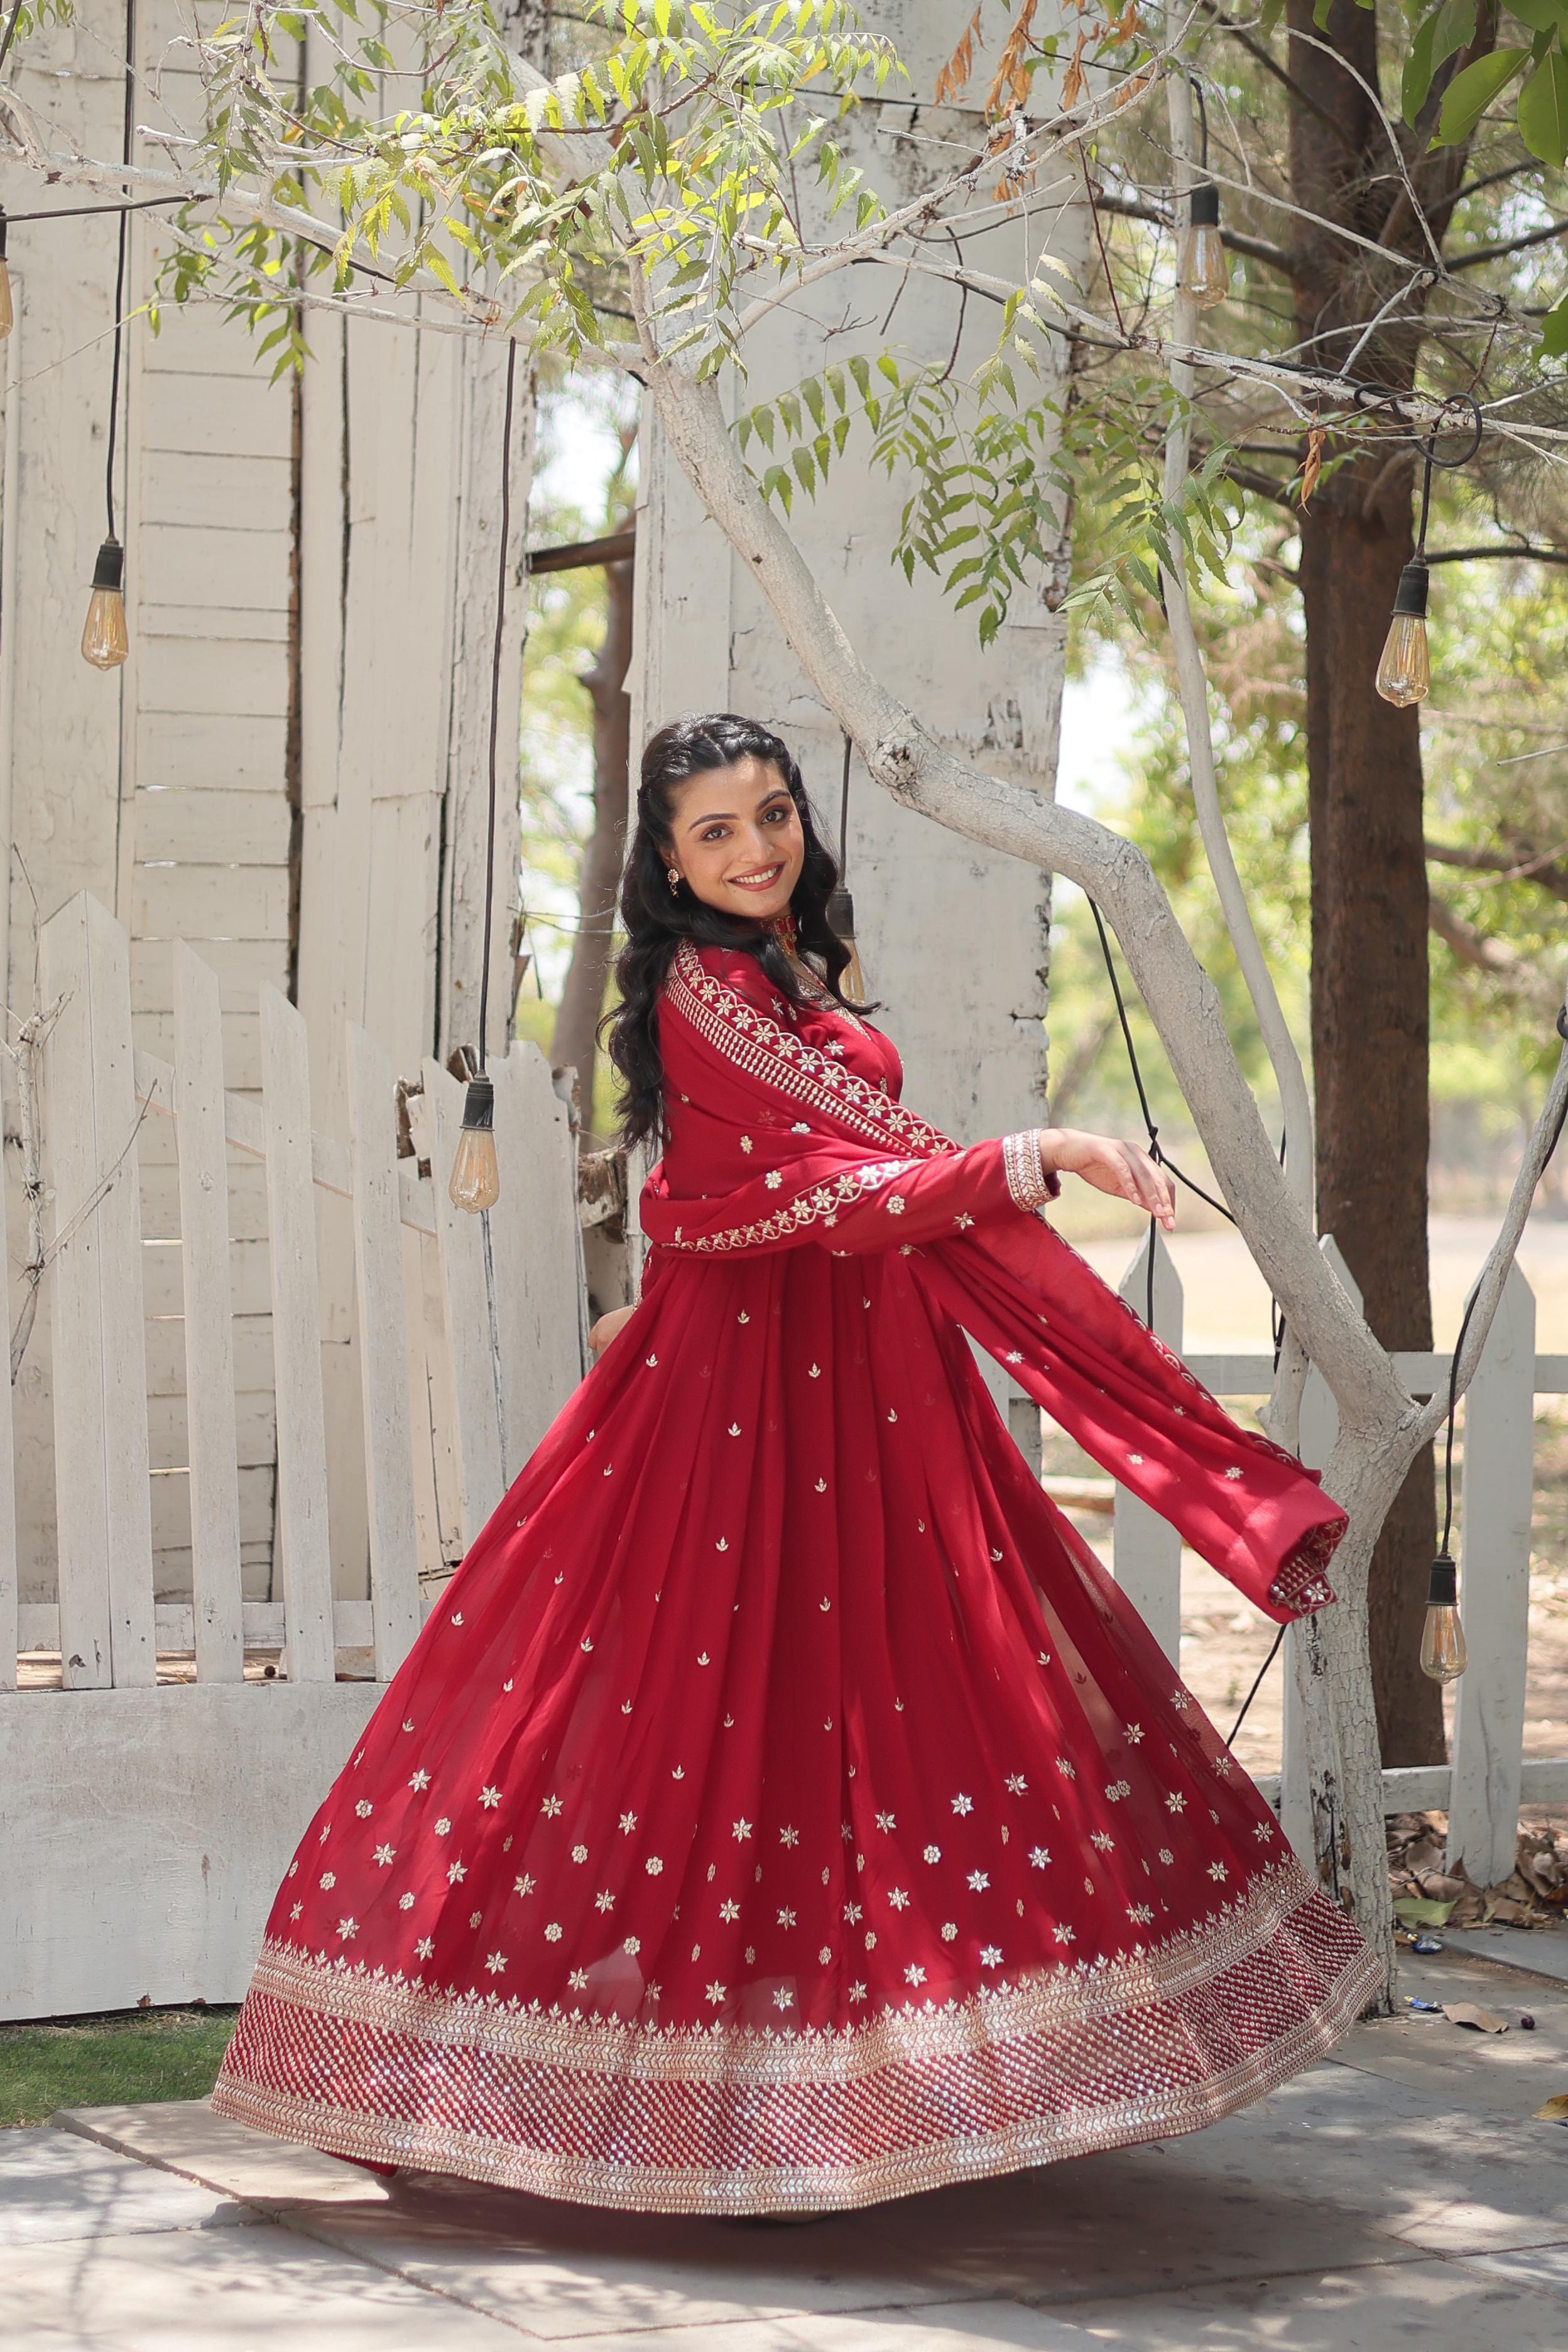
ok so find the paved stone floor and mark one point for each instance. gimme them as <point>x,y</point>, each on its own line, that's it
<point>1401,2192</point>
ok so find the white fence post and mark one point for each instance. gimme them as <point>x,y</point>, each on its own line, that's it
<point>208,1299</point>
<point>1302,1731</point>
<point>9,1591</point>
<point>102,1483</point>
<point>302,1534</point>
<point>1147,1549</point>
<point>1496,1507</point>
<point>384,1344</point>
<point>462,1246</point>
<point>534,1247</point>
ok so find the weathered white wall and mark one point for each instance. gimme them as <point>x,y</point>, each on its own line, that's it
<point>285,772</point>
<point>953,939</point>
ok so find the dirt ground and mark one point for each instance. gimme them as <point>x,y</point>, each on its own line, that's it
<point>1225,1640</point>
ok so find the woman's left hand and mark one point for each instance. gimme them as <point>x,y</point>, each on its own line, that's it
<point>1123,1169</point>
<point>605,1328</point>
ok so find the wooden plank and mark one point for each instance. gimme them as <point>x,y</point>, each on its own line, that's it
<point>1146,1549</point>
<point>250,682</point>
<point>243,966</point>
<point>383,1352</point>
<point>535,1245</point>
<point>163,1278</point>
<point>1494,1515</point>
<point>205,1248</point>
<point>466,1306</point>
<point>194,751</point>
<point>155,1034</point>
<point>252,1357</point>
<point>253,1490</point>
<point>179,414</point>
<point>202,828</point>
<point>168,1436</point>
<point>302,1535</point>
<point>246,1193</point>
<point>243,494</point>
<point>185,564</point>
<point>223,902</point>
<point>103,1505</point>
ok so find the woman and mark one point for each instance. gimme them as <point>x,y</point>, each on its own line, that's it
<point>781,1809</point>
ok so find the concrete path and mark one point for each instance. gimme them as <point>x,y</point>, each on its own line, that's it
<point>1400,2192</point>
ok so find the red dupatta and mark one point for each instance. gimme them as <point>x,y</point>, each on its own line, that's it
<point>785,1131</point>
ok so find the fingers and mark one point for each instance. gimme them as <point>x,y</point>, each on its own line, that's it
<point>1149,1187</point>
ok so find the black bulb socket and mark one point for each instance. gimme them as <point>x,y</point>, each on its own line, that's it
<point>1203,205</point>
<point>1410,596</point>
<point>841,915</point>
<point>479,1105</point>
<point>5,225</point>
<point>109,570</point>
<point>1443,1591</point>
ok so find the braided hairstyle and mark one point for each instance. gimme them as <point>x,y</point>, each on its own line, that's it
<point>657,919</point>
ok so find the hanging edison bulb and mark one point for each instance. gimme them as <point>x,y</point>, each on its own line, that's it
<point>475,1171</point>
<point>7,313</point>
<point>1204,273</point>
<point>1443,1651</point>
<point>1405,673</point>
<point>105,640</point>
<point>841,923</point>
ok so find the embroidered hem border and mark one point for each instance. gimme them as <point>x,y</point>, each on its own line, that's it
<point>1069,2063</point>
<point>1029,1181</point>
<point>1300,1584</point>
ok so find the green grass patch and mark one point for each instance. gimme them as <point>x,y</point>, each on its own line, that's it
<point>107,2061</point>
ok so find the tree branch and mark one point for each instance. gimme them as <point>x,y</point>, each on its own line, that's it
<point>1518,865</point>
<point>1480,253</point>
<point>1472,947</point>
<point>1282,75</point>
<point>1525,554</point>
<point>920,772</point>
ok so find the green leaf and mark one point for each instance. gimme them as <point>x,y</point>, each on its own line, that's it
<point>1540,15</point>
<point>1543,111</point>
<point>1419,67</point>
<point>1453,29</point>
<point>1554,331</point>
<point>1470,93</point>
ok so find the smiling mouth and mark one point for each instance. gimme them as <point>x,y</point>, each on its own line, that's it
<point>763,881</point>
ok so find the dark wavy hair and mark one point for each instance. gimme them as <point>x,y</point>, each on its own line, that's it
<point>657,919</point>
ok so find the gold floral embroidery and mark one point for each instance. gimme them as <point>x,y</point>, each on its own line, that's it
<point>823,1202</point>
<point>722,1017</point>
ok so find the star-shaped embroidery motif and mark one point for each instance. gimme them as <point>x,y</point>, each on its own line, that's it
<point>730,1909</point>
<point>348,1929</point>
<point>628,1823</point>
<point>490,1798</point>
<point>425,1946</point>
<point>886,1821</point>
<point>963,1805</point>
<point>990,1956</point>
<point>742,1829</point>
<point>784,1998</point>
<point>523,1886</point>
<point>898,1898</point>
<point>383,1854</point>
<point>550,1807</point>
<point>934,1854</point>
<point>496,1963</point>
<point>715,1993</point>
<point>788,1836</point>
<point>1039,1855</point>
<point>457,1875</point>
<point>979,1880</point>
<point>914,1974</point>
<point>786,1919</point>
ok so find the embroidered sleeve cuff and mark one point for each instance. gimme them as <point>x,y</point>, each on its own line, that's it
<point>1030,1183</point>
<point>1301,1585</point>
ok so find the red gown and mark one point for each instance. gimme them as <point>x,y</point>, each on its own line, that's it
<point>782,1808</point>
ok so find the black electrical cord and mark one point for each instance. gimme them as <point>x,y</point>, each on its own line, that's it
<point>1164,1159</point>
<point>844,810</point>
<point>496,653</point>
<point>127,137</point>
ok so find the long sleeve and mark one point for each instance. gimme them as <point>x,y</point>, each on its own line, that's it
<point>774,1144</point>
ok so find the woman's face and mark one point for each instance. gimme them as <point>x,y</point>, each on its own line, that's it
<point>736,839</point>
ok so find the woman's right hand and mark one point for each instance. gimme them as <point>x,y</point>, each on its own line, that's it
<point>605,1328</point>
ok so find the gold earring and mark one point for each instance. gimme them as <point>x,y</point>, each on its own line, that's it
<point>674,881</point>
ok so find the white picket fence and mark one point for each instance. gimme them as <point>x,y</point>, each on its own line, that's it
<point>146,1823</point>
<point>1488,1779</point>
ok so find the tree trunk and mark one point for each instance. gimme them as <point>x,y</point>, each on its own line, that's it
<point>576,1044</point>
<point>1369,892</point>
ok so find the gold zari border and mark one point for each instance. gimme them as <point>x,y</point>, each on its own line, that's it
<point>1033,2030</point>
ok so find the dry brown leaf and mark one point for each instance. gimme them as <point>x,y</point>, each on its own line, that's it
<point>1480,2021</point>
<point>1311,465</point>
<point>1012,72</point>
<point>1553,2110</point>
<point>1075,81</point>
<point>951,80</point>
